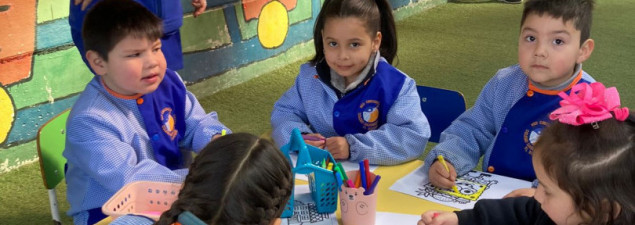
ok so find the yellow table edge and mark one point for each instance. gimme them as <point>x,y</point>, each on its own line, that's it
<point>387,200</point>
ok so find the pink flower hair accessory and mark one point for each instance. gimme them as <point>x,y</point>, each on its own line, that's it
<point>589,103</point>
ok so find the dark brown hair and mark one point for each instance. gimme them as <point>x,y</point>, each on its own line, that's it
<point>377,15</point>
<point>110,21</point>
<point>578,11</point>
<point>236,179</point>
<point>595,166</point>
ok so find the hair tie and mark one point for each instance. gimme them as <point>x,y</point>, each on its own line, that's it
<point>589,103</point>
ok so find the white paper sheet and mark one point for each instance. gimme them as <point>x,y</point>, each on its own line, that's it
<point>303,213</point>
<point>492,186</point>
<point>348,166</point>
<point>395,218</point>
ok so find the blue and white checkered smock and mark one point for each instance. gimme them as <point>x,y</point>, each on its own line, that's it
<point>308,106</point>
<point>474,132</point>
<point>107,146</point>
<point>132,220</point>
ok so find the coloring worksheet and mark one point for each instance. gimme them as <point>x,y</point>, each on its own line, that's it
<point>348,166</point>
<point>472,186</point>
<point>305,210</point>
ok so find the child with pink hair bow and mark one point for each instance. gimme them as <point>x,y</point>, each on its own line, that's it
<point>583,162</point>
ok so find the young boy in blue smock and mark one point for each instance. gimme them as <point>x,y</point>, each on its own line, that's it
<point>135,120</point>
<point>513,107</point>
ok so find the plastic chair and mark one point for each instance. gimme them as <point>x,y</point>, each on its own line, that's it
<point>51,139</point>
<point>441,107</point>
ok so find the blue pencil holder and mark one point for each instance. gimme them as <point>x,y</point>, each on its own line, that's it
<point>321,181</point>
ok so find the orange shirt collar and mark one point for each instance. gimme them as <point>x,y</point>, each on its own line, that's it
<point>113,93</point>
<point>555,92</point>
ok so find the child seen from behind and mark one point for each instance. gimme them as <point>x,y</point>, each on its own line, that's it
<point>584,164</point>
<point>236,179</point>
<point>135,120</point>
<point>349,97</point>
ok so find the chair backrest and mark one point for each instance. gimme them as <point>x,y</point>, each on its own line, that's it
<point>441,107</point>
<point>51,139</point>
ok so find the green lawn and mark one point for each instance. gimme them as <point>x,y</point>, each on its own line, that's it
<point>453,46</point>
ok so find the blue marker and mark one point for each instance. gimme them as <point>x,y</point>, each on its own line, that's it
<point>362,173</point>
<point>373,186</point>
<point>338,177</point>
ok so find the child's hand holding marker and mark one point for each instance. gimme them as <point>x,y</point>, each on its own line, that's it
<point>442,174</point>
<point>315,139</point>
<point>438,218</point>
<point>338,147</point>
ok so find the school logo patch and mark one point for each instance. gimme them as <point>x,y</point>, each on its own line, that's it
<point>168,121</point>
<point>530,136</point>
<point>368,114</point>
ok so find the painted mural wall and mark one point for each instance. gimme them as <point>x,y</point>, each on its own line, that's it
<point>42,74</point>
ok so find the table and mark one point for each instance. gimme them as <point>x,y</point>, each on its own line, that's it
<point>387,200</point>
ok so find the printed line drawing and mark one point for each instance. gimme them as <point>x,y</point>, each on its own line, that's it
<point>470,187</point>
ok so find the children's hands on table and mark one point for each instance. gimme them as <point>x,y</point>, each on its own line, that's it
<point>438,218</point>
<point>440,177</point>
<point>528,192</point>
<point>320,144</point>
<point>338,147</point>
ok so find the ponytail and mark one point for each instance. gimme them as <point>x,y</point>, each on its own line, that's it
<point>388,48</point>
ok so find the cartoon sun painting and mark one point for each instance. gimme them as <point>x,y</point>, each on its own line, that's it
<point>17,42</point>
<point>273,19</point>
<point>6,114</point>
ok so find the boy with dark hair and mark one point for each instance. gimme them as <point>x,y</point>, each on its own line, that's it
<point>135,120</point>
<point>512,108</point>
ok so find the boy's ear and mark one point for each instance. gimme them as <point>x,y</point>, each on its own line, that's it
<point>585,50</point>
<point>377,41</point>
<point>96,62</point>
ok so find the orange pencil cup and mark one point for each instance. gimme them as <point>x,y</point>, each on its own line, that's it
<point>355,207</point>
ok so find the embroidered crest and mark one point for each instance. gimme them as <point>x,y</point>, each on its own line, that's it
<point>530,136</point>
<point>168,121</point>
<point>369,114</point>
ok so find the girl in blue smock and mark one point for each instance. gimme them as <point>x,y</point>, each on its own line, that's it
<point>349,98</point>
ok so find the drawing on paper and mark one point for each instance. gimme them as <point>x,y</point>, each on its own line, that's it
<point>306,213</point>
<point>470,186</point>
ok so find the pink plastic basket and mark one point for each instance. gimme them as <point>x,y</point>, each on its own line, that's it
<point>144,198</point>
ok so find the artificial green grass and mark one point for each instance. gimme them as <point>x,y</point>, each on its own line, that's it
<point>454,46</point>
